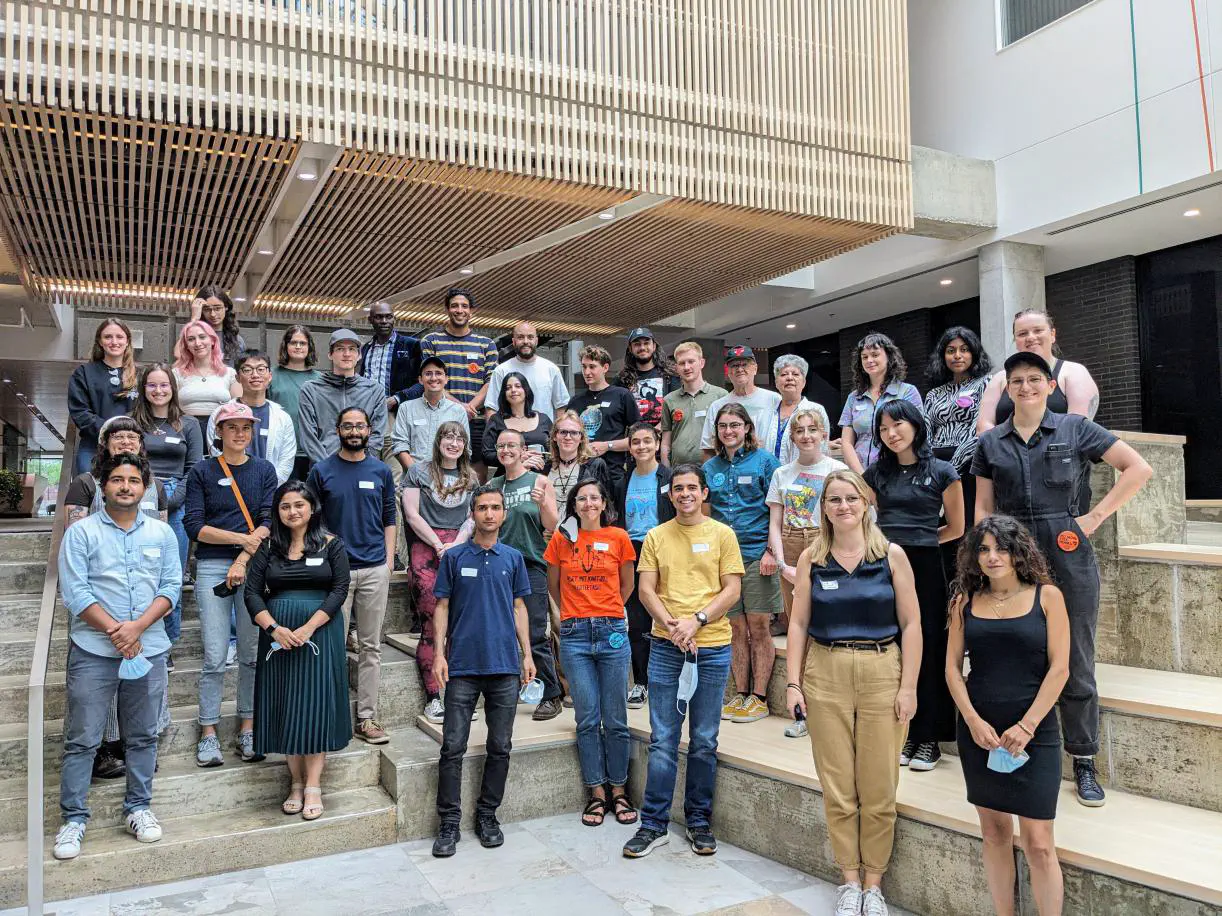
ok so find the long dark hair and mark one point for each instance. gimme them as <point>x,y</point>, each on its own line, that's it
<point>282,355</point>
<point>937,371</point>
<point>1013,537</point>
<point>897,368</point>
<point>229,326</point>
<point>120,424</point>
<point>142,411</point>
<point>528,406</point>
<point>315,534</point>
<point>609,514</point>
<point>629,374</point>
<point>899,409</point>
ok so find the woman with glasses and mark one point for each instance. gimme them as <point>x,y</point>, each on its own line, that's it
<point>296,584</point>
<point>294,371</point>
<point>436,504</point>
<point>204,381</point>
<point>852,658</point>
<point>517,411</point>
<point>102,388</point>
<point>572,459</point>
<point>213,305</point>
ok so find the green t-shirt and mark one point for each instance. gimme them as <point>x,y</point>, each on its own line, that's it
<point>523,529</point>
<point>285,390</point>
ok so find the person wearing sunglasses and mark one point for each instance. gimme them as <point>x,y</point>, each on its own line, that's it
<point>275,439</point>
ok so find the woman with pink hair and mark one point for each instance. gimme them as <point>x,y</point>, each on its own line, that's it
<point>204,381</point>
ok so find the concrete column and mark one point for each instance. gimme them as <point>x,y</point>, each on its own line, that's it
<point>1011,280</point>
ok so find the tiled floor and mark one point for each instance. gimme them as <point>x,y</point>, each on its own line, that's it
<point>547,866</point>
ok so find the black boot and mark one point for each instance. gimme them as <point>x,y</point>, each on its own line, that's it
<point>108,762</point>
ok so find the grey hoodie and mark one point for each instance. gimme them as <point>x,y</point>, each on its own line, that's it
<point>319,406</point>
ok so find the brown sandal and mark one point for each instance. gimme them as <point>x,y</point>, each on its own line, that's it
<point>624,812</point>
<point>595,807</point>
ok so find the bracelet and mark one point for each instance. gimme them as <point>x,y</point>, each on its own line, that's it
<point>796,687</point>
<point>1030,733</point>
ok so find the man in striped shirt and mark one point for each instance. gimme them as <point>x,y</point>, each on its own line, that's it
<point>469,359</point>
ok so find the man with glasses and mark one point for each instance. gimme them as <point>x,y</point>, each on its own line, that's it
<point>760,402</point>
<point>358,500</point>
<point>418,420</point>
<point>275,438</point>
<point>339,389</point>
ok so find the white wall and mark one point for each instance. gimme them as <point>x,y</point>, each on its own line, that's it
<point>1056,109</point>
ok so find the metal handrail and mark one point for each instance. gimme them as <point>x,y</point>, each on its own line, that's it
<point>35,834</point>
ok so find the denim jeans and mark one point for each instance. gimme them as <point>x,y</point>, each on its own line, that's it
<point>500,706</point>
<point>666,726</point>
<point>92,683</point>
<point>84,456</point>
<point>173,620</point>
<point>214,614</point>
<point>540,645</point>
<point>598,681</point>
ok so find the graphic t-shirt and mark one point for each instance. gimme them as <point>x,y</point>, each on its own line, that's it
<point>258,440</point>
<point>606,415</point>
<point>589,571</point>
<point>439,510</point>
<point>650,388</point>
<point>641,504</point>
<point>523,530</point>
<point>797,489</point>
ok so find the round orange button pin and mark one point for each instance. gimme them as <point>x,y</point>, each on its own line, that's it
<point>1068,541</point>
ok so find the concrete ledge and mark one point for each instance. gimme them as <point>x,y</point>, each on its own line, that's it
<point>1174,553</point>
<point>1134,437</point>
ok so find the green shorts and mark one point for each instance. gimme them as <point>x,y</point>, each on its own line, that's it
<point>760,594</point>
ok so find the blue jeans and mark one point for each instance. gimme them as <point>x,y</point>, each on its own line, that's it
<point>84,456</point>
<point>173,620</point>
<point>666,725</point>
<point>214,616</point>
<point>92,683</point>
<point>598,681</point>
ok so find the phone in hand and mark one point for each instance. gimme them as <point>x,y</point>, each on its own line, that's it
<point>797,713</point>
<point>223,590</point>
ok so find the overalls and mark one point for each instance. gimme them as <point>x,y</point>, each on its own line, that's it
<point>1038,482</point>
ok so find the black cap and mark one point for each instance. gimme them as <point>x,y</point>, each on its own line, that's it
<point>434,361</point>
<point>739,352</point>
<point>1024,358</point>
<point>638,333</point>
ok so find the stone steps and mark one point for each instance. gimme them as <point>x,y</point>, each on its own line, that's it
<point>22,577</point>
<point>16,651</point>
<point>26,545</point>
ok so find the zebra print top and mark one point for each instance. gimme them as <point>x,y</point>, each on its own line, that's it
<point>951,411</point>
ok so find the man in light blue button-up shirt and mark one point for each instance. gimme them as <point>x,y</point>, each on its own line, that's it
<point>119,577</point>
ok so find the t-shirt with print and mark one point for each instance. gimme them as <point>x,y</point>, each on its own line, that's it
<point>690,561</point>
<point>797,489</point>
<point>262,431</point>
<point>523,529</point>
<point>606,415</point>
<point>641,504</point>
<point>759,404</point>
<point>650,388</point>
<point>589,571</point>
<point>442,512</point>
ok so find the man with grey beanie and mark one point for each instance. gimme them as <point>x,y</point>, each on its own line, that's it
<point>341,388</point>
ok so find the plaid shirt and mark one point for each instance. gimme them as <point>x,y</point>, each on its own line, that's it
<point>378,362</point>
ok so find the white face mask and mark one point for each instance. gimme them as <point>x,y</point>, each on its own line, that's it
<point>689,677</point>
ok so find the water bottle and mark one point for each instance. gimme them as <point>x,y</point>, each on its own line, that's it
<point>532,693</point>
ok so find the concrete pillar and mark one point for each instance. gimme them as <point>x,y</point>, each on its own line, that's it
<point>1011,280</point>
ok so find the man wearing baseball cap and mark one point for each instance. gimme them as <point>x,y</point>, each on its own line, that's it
<point>323,399</point>
<point>648,374</point>
<point>760,402</point>
<point>418,420</point>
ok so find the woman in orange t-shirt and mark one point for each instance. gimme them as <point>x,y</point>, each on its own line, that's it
<point>589,576</point>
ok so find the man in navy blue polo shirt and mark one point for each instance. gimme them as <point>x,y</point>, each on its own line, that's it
<point>485,650</point>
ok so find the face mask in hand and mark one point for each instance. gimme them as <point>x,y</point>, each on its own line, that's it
<point>276,647</point>
<point>689,677</point>
<point>132,669</point>
<point>1002,761</point>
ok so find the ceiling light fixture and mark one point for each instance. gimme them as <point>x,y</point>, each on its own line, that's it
<point>239,298</point>
<point>946,281</point>
<point>266,251</point>
<point>1193,212</point>
<point>306,175</point>
<point>790,327</point>
<point>607,215</point>
<point>466,271</point>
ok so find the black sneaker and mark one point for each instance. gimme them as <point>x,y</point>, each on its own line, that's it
<point>907,752</point>
<point>489,832</point>
<point>169,661</point>
<point>446,843</point>
<point>702,840</point>
<point>1089,792</point>
<point>644,841</point>
<point>548,709</point>
<point>107,763</point>
<point>926,757</point>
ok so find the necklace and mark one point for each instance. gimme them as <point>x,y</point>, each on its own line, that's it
<point>850,559</point>
<point>999,603</point>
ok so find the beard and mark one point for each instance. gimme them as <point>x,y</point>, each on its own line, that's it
<point>526,351</point>
<point>354,443</point>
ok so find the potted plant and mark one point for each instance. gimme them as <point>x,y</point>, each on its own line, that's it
<point>12,489</point>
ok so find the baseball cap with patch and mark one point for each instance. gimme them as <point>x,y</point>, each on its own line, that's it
<point>738,352</point>
<point>638,333</point>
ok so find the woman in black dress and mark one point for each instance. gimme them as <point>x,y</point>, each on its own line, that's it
<point>1012,619</point>
<point>296,584</point>
<point>517,412</point>
<point>913,490</point>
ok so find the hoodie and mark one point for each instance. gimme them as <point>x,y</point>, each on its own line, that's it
<point>319,407</point>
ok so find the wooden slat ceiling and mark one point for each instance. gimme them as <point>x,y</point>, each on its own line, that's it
<point>104,210</point>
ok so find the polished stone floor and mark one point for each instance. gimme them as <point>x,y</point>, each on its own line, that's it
<point>547,866</point>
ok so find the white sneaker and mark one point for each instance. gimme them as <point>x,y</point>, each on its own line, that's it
<point>796,729</point>
<point>143,826</point>
<point>434,711</point>
<point>231,656</point>
<point>848,900</point>
<point>873,904</point>
<point>68,840</point>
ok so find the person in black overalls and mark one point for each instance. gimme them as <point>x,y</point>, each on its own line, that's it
<point>1031,467</point>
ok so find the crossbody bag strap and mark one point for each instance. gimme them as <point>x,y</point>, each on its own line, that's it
<point>237,492</point>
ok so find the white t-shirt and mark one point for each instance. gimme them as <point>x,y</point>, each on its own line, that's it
<point>200,395</point>
<point>797,489</point>
<point>759,404</point>
<point>771,428</point>
<point>545,380</point>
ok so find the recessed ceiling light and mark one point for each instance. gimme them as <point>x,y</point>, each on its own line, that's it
<point>607,215</point>
<point>790,327</point>
<point>306,175</point>
<point>946,281</point>
<point>466,271</point>
<point>1193,212</point>
<point>7,380</point>
<point>239,298</point>
<point>266,251</point>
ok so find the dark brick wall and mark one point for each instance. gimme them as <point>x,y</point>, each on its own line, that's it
<point>911,332</point>
<point>1096,314</point>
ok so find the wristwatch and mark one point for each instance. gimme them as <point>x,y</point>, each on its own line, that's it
<point>702,618</point>
<point>270,628</point>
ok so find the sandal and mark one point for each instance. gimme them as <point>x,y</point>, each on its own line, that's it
<point>624,812</point>
<point>595,807</point>
<point>312,812</point>
<point>293,804</point>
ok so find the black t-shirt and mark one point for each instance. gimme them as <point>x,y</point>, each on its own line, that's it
<point>325,570</point>
<point>910,500</point>
<point>650,388</point>
<point>606,415</point>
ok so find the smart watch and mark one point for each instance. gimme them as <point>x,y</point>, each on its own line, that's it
<point>702,617</point>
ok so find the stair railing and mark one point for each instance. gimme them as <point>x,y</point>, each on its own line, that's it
<point>35,833</point>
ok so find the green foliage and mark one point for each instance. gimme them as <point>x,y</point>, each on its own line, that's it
<point>11,490</point>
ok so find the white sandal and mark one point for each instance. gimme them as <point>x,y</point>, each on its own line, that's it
<point>293,805</point>
<point>312,812</point>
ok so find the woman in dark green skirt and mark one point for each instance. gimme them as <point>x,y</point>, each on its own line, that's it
<point>295,585</point>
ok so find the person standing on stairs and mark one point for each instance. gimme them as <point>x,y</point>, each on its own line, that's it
<point>321,401</point>
<point>102,388</point>
<point>228,510</point>
<point>684,409</point>
<point>878,377</point>
<point>274,439</point>
<point>482,618</point>
<point>296,584</point>
<point>606,411</point>
<point>357,493</point>
<point>294,370</point>
<point>1031,467</point>
<point>119,577</point>
<point>213,305</point>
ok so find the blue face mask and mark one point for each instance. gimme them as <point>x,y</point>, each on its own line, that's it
<point>277,647</point>
<point>1002,761</point>
<point>132,669</point>
<point>532,693</point>
<point>689,677</point>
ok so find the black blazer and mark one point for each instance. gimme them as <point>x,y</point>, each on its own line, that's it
<point>666,509</point>
<point>404,364</point>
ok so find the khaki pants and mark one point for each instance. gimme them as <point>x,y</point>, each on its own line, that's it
<point>794,540</point>
<point>367,599</point>
<point>850,699</point>
<point>396,471</point>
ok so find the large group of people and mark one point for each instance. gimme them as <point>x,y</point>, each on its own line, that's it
<point>641,542</point>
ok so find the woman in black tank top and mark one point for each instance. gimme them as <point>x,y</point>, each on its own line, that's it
<point>1012,621</point>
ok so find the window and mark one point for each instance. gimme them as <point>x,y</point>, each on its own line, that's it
<point>1019,18</point>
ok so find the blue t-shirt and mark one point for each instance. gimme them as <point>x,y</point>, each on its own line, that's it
<point>738,491</point>
<point>358,500</point>
<point>641,504</point>
<point>482,584</point>
<point>258,442</point>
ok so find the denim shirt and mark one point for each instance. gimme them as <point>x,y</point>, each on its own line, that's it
<point>123,571</point>
<point>737,493</point>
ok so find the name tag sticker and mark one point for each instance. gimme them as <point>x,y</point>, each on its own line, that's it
<point>469,572</point>
<point>701,413</point>
<point>152,552</point>
<point>365,484</point>
<point>604,404</point>
<point>599,545</point>
<point>419,422</point>
<point>744,478</point>
<point>700,548</point>
<point>665,488</point>
<point>225,482</point>
<point>263,432</point>
<point>314,561</point>
<point>173,440</point>
<point>829,585</point>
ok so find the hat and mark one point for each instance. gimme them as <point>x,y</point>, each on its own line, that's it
<point>434,361</point>
<point>341,336</point>
<point>638,333</point>
<point>739,352</point>
<point>1024,358</point>
<point>234,410</point>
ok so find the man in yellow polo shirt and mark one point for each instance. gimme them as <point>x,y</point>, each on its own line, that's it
<point>690,574</point>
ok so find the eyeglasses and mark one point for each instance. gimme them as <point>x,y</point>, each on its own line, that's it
<point>731,425</point>
<point>213,310</point>
<point>124,437</point>
<point>567,432</point>
<point>298,343</point>
<point>506,446</point>
<point>843,500</point>
<point>353,427</point>
<point>255,370</point>
<point>454,437</point>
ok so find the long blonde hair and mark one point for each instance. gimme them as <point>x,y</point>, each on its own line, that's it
<point>584,452</point>
<point>127,372</point>
<point>821,546</point>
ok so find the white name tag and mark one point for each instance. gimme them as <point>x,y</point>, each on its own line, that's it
<point>225,482</point>
<point>469,572</point>
<point>152,552</point>
<point>263,432</point>
<point>419,422</point>
<point>365,484</point>
<point>745,478</point>
<point>172,440</point>
<point>314,561</point>
<point>599,545</point>
<point>700,548</point>
<point>829,585</point>
<point>114,381</point>
<point>665,488</point>
<point>601,404</point>
<point>701,413</point>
